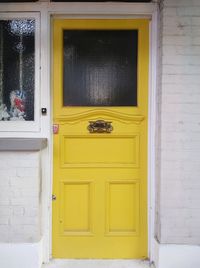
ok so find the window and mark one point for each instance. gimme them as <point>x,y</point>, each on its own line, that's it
<point>100,67</point>
<point>17,69</point>
<point>19,72</point>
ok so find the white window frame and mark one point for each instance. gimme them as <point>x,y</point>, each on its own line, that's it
<point>27,126</point>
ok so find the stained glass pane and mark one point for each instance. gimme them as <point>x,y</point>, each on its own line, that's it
<point>17,69</point>
<point>100,67</point>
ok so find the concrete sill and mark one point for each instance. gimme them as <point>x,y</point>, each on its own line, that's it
<point>22,144</point>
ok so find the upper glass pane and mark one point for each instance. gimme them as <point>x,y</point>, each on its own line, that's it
<point>100,67</point>
<point>17,69</point>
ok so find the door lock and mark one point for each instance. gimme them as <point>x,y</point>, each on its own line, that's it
<point>53,197</point>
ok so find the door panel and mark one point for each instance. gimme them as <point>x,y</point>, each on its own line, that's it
<point>99,151</point>
<point>76,208</point>
<point>122,208</point>
<point>100,179</point>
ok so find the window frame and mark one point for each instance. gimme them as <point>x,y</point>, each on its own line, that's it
<point>27,126</point>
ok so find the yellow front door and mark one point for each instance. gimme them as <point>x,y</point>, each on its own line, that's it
<point>100,98</point>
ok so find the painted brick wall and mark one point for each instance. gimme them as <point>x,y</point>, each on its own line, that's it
<point>19,197</point>
<point>158,127</point>
<point>179,210</point>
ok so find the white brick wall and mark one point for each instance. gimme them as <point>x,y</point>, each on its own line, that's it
<point>19,197</point>
<point>158,132</point>
<point>179,207</point>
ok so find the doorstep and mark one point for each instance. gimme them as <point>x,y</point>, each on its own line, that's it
<point>59,263</point>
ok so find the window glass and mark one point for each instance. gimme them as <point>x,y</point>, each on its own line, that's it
<point>100,67</point>
<point>17,69</point>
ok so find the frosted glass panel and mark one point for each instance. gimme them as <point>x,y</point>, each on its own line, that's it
<point>17,69</point>
<point>100,67</point>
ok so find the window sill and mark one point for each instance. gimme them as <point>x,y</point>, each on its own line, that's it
<point>22,144</point>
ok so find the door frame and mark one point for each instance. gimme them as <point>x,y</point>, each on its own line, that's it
<point>125,12</point>
<point>151,98</point>
<point>46,10</point>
